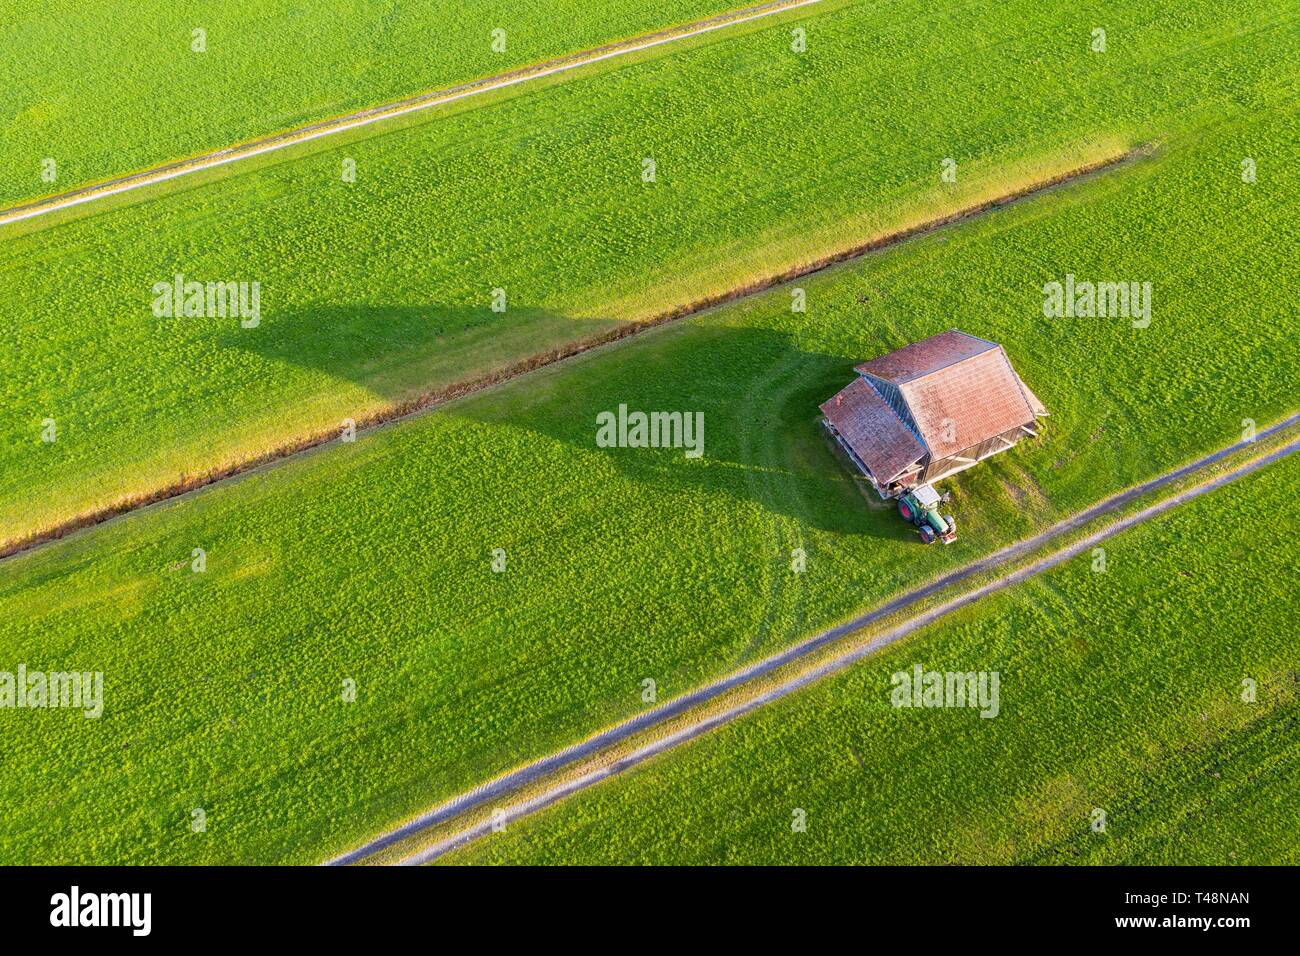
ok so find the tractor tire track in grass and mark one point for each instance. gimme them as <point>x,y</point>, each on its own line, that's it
<point>536,771</point>
<point>440,396</point>
<point>375,114</point>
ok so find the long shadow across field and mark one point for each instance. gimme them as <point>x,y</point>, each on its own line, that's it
<point>399,351</point>
<point>757,389</point>
<point>758,392</point>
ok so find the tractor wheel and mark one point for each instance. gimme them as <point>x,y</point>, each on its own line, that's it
<point>952,522</point>
<point>905,510</point>
<point>927,534</point>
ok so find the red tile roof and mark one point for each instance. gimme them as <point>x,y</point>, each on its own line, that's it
<point>872,429</point>
<point>967,402</point>
<point>960,390</point>
<point>926,356</point>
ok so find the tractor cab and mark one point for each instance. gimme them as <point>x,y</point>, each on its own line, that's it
<point>920,507</point>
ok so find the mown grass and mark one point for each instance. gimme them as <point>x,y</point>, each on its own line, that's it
<point>376,291</point>
<point>1120,691</point>
<point>372,561</point>
<point>105,91</point>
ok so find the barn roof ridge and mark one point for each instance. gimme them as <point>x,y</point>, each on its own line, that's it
<point>909,425</point>
<point>957,361</point>
<point>946,355</point>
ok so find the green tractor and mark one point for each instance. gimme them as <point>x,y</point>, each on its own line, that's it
<point>920,506</point>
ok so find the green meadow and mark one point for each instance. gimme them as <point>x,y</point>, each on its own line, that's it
<point>1123,692</point>
<point>370,565</point>
<point>103,90</point>
<point>375,291</point>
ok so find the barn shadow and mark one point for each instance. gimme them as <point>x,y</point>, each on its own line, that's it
<point>397,351</point>
<point>757,389</point>
<point>759,394</point>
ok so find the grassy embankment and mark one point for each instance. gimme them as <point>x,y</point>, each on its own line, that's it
<point>375,292</point>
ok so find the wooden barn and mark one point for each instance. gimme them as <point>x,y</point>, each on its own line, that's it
<point>930,410</point>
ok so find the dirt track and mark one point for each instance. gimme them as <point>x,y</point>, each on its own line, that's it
<point>374,114</point>
<point>434,397</point>
<point>533,772</point>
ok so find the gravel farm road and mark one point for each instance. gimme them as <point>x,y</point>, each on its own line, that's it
<point>537,770</point>
<point>422,101</point>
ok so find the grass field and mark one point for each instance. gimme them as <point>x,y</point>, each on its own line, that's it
<point>375,291</point>
<point>104,92</point>
<point>1119,690</point>
<point>372,561</point>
